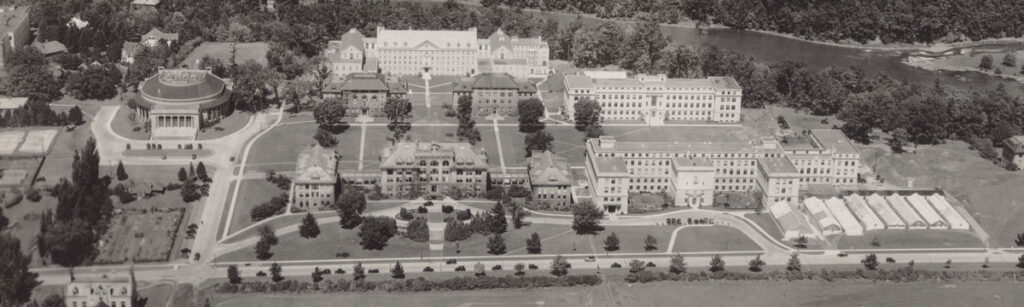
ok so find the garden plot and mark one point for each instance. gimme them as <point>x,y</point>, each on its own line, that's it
<point>38,141</point>
<point>9,141</point>
<point>140,236</point>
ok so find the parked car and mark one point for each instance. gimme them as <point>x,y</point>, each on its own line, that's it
<point>590,259</point>
<point>842,254</point>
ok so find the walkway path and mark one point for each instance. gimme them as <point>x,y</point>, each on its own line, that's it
<point>241,169</point>
<point>426,90</point>
<point>362,142</point>
<point>501,154</point>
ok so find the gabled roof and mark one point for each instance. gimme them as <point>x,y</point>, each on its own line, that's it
<point>316,163</point>
<point>1015,143</point>
<point>10,103</point>
<point>156,34</point>
<point>494,81</point>
<point>546,168</point>
<point>364,82</point>
<point>409,154</point>
<point>131,48</point>
<point>352,38</point>
<point>146,2</point>
<point>50,47</point>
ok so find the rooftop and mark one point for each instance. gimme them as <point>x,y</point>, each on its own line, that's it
<point>316,163</point>
<point>50,47</point>
<point>412,39</point>
<point>1015,143</point>
<point>10,103</point>
<point>835,139</point>
<point>12,17</point>
<point>546,168</point>
<point>610,165</point>
<point>410,154</point>
<point>156,34</point>
<point>183,86</point>
<point>364,82</point>
<point>778,165</point>
<point>681,147</point>
<point>145,2</point>
<point>692,162</point>
<point>494,81</point>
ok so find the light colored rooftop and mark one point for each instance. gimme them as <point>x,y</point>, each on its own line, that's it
<point>316,163</point>
<point>546,168</point>
<point>410,39</point>
<point>610,165</point>
<point>778,165</point>
<point>11,17</point>
<point>409,154</point>
<point>10,103</point>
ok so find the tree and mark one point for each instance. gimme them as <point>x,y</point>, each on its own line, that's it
<point>397,272</point>
<point>1010,59</point>
<point>358,273</point>
<point>1020,261</point>
<point>496,245</point>
<point>17,282</point>
<point>533,244</point>
<point>349,207</point>
<point>530,112</point>
<point>325,139</point>
<point>1020,240</point>
<point>717,264</point>
<point>794,263</point>
<point>330,113</point>
<point>986,62</point>
<point>296,93</point>
<point>252,87</point>
<point>468,132</point>
<point>516,213</point>
<point>54,300</point>
<point>375,232</point>
<point>309,227</point>
<point>75,116</point>
<point>182,174</point>
<point>3,220</point>
<point>870,262</point>
<point>677,265</point>
<point>586,112</point>
<point>801,241</point>
<point>275,272</point>
<point>498,222</point>
<point>593,131</point>
<point>520,269</point>
<point>637,266</point>
<point>69,242</point>
<point>418,230</point>
<point>586,218</point>
<point>32,81</point>
<point>316,275</point>
<point>539,141</point>
<point>559,266</point>
<point>611,242</point>
<point>898,139</point>
<point>464,109</point>
<point>397,110</point>
<point>234,277</point>
<point>650,243</point>
<point>643,48</point>
<point>201,172</point>
<point>190,191</point>
<point>263,250</point>
<point>121,174</point>
<point>266,233</point>
<point>94,82</point>
<point>756,264</point>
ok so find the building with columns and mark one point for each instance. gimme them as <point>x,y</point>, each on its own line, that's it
<point>179,102</point>
<point>655,99</point>
<point>437,52</point>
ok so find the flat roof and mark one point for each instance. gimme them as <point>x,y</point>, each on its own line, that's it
<point>778,165</point>
<point>835,139</point>
<point>610,165</point>
<point>692,162</point>
<point>10,103</point>
<point>12,17</point>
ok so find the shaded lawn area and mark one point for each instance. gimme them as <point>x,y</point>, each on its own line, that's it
<point>911,239</point>
<point>171,199</point>
<point>332,240</point>
<point>764,121</point>
<point>561,239</point>
<point>127,125</point>
<point>253,193</point>
<point>156,295</point>
<point>766,222</point>
<point>157,175</point>
<point>515,240</point>
<point>713,238</point>
<point>228,125</point>
<point>24,219</point>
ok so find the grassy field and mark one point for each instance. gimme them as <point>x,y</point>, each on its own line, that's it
<point>332,240</point>
<point>228,125</point>
<point>725,293</point>
<point>127,125</point>
<point>244,52</point>
<point>767,222</point>
<point>253,193</point>
<point>712,238</point>
<point>911,239</point>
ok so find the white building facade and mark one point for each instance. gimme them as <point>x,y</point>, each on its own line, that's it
<point>655,99</point>
<point>437,52</point>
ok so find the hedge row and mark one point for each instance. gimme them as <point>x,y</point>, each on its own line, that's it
<point>419,284</point>
<point>899,275</point>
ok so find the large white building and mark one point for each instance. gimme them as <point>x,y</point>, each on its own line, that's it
<point>655,99</point>
<point>438,52</point>
<point>691,172</point>
<point>111,292</point>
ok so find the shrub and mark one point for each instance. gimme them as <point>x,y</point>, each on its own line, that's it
<point>428,203</point>
<point>373,271</point>
<point>532,266</point>
<point>339,271</point>
<point>33,195</point>
<point>650,264</point>
<point>447,209</point>
<point>616,265</point>
<point>421,209</point>
<point>420,284</point>
<point>464,215</point>
<point>496,267</point>
<point>460,268</point>
<point>428,269</point>
<point>404,214</point>
<point>266,210</point>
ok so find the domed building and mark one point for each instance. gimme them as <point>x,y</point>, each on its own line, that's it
<point>178,102</point>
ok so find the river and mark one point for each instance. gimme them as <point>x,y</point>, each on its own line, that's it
<point>770,48</point>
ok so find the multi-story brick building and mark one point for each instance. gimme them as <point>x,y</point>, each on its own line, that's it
<point>14,30</point>
<point>655,98</point>
<point>316,178</point>
<point>366,93</point>
<point>550,179</point>
<point>494,93</point>
<point>427,168</point>
<point>439,52</point>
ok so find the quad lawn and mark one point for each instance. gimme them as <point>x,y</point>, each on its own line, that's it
<point>712,238</point>
<point>253,193</point>
<point>332,240</point>
<point>894,239</point>
<point>127,125</point>
<point>228,125</point>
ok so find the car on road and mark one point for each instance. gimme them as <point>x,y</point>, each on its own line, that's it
<point>842,254</point>
<point>590,259</point>
<point>451,261</point>
<point>460,268</point>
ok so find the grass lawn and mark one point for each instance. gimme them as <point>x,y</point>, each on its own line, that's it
<point>279,148</point>
<point>568,297</point>
<point>228,125</point>
<point>515,240</point>
<point>156,295</point>
<point>24,221</point>
<point>253,193</point>
<point>62,154</point>
<point>713,238</point>
<point>127,125</point>
<point>911,239</point>
<point>157,175</point>
<point>766,222</point>
<point>244,52</point>
<point>332,240</point>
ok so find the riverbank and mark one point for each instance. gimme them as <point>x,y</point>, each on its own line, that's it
<point>969,63</point>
